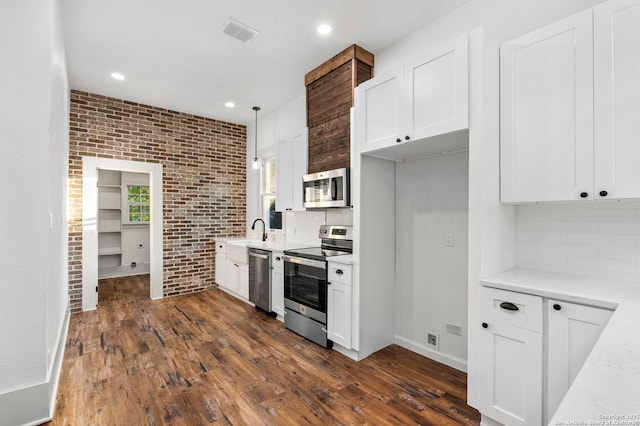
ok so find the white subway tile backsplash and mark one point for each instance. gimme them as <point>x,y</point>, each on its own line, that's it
<point>536,213</point>
<point>620,253</point>
<point>600,215</point>
<point>628,228</point>
<point>528,226</point>
<point>598,263</point>
<point>597,238</point>
<point>569,249</point>
<point>616,240</point>
<point>542,237</point>
<point>569,226</point>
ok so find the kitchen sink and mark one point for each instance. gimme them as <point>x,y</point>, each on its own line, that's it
<point>237,250</point>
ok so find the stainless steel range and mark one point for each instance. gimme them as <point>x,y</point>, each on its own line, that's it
<point>305,283</point>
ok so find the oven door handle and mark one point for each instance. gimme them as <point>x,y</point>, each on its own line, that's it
<point>306,262</point>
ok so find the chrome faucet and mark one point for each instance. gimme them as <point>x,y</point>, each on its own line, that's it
<point>264,228</point>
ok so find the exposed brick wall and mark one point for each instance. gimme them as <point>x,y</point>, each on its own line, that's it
<point>204,181</point>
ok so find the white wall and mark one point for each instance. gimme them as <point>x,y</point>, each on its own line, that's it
<point>431,278</point>
<point>33,164</point>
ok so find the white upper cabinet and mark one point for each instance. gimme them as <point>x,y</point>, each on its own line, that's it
<point>617,98</point>
<point>570,102</point>
<point>546,113</point>
<point>378,103</point>
<point>437,92</point>
<point>417,101</point>
<point>292,165</point>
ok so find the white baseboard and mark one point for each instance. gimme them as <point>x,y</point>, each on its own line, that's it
<point>349,353</point>
<point>488,421</point>
<point>446,359</point>
<point>34,405</point>
<point>56,368</point>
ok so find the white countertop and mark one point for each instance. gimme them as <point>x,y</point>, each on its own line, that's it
<point>264,245</point>
<point>609,382</point>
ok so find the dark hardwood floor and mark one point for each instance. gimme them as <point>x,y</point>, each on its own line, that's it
<point>208,358</point>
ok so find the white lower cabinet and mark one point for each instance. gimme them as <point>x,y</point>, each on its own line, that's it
<point>510,360</point>
<point>339,304</point>
<point>571,334</point>
<point>232,276</point>
<point>243,280</point>
<point>513,341</point>
<point>277,283</point>
<point>237,278</point>
<point>221,269</point>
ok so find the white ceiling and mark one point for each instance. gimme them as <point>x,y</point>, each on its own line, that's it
<point>174,54</point>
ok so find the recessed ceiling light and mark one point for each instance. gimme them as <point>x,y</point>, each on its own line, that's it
<point>229,104</point>
<point>117,76</point>
<point>324,29</point>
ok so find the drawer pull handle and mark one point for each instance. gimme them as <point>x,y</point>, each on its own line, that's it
<point>557,307</point>
<point>509,306</point>
<point>339,272</point>
<point>485,325</point>
<point>584,194</point>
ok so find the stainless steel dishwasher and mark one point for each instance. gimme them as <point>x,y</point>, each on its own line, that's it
<point>260,278</point>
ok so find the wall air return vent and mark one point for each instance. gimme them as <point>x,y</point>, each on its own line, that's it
<point>240,31</point>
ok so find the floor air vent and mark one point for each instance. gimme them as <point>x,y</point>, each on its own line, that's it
<point>240,31</point>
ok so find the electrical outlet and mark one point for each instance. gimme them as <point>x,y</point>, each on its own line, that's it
<point>454,329</point>
<point>433,340</point>
<point>448,239</point>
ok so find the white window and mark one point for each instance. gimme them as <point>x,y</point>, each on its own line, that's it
<point>268,189</point>
<point>138,204</point>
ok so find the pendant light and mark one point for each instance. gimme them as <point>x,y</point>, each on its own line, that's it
<point>256,163</point>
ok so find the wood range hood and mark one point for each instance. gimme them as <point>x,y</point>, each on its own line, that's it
<point>330,96</point>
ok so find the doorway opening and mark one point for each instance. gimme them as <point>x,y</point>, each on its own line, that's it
<point>119,197</point>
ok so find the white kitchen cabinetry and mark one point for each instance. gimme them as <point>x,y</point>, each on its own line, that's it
<point>568,108</point>
<point>339,304</point>
<point>221,263</point>
<point>292,166</point>
<point>232,269</point>
<point>617,98</point>
<point>237,278</point>
<point>420,100</point>
<point>510,357</point>
<point>277,283</point>
<point>572,332</point>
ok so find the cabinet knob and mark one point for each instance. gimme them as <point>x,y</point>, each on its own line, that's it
<point>557,307</point>
<point>603,193</point>
<point>509,306</point>
<point>406,138</point>
<point>328,283</point>
<point>485,325</point>
<point>339,272</point>
<point>584,194</point>
<point>278,258</point>
<point>398,140</point>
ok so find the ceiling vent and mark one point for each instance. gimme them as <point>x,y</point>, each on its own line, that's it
<point>240,31</point>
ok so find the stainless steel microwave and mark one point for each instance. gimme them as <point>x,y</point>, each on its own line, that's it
<point>326,189</point>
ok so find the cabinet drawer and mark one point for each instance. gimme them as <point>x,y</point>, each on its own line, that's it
<point>339,273</point>
<point>221,247</point>
<point>516,309</point>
